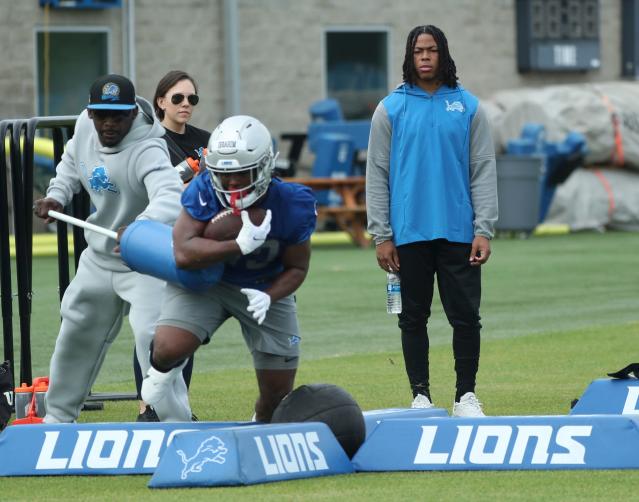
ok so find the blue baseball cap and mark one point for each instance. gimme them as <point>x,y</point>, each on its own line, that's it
<point>112,92</point>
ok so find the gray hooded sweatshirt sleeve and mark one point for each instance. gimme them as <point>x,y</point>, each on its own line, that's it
<point>483,175</point>
<point>377,175</point>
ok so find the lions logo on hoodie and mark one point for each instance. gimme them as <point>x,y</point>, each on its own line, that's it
<point>99,180</point>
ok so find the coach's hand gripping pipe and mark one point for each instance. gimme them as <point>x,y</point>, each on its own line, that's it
<point>146,246</point>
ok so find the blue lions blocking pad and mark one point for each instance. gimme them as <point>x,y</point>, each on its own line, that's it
<point>251,454</point>
<point>502,443</point>
<point>147,248</point>
<point>609,397</point>
<point>373,417</point>
<point>81,449</point>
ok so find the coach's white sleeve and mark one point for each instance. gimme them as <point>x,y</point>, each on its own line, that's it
<point>162,183</point>
<point>66,182</point>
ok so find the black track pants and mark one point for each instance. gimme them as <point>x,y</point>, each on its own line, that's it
<point>459,287</point>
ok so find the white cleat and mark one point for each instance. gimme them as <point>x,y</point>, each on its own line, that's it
<point>468,406</point>
<point>158,391</point>
<point>156,384</point>
<point>421,402</point>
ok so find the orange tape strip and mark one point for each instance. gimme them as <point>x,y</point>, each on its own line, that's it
<point>608,189</point>
<point>617,154</point>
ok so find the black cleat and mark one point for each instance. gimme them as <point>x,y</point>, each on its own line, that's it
<point>149,415</point>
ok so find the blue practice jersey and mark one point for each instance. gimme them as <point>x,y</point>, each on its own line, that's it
<point>293,217</point>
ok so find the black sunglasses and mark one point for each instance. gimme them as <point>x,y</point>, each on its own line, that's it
<point>178,97</point>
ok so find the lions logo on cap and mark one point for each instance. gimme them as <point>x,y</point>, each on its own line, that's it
<point>110,92</point>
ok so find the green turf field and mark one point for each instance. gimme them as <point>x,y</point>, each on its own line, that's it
<point>558,312</point>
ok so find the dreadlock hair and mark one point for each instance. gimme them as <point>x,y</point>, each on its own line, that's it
<point>447,71</point>
<point>165,83</point>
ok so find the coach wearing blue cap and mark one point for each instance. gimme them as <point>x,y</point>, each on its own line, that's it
<point>118,155</point>
<point>112,107</point>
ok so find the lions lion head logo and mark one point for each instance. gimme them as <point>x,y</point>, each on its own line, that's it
<point>110,92</point>
<point>211,449</point>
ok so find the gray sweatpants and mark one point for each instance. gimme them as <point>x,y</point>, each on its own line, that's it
<point>92,311</point>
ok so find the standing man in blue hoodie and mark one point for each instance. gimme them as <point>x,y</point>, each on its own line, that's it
<point>431,194</point>
<point>119,156</point>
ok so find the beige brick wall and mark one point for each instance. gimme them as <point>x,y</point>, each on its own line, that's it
<point>185,35</point>
<point>19,20</point>
<point>281,48</point>
<point>282,57</point>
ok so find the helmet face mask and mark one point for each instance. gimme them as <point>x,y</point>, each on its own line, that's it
<point>240,145</point>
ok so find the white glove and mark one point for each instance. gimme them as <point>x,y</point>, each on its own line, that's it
<point>252,236</point>
<point>259,303</point>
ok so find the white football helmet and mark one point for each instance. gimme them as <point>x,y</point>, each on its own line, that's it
<point>240,143</point>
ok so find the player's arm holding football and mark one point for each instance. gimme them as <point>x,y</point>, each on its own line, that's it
<point>193,250</point>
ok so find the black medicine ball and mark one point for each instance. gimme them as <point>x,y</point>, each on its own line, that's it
<point>327,403</point>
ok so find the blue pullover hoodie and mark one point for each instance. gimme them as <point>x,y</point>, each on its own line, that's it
<point>429,164</point>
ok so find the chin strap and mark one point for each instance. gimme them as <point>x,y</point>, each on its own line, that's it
<point>240,195</point>
<point>233,202</point>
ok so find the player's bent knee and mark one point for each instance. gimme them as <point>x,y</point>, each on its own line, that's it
<point>171,346</point>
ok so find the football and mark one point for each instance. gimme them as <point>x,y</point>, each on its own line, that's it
<point>225,225</point>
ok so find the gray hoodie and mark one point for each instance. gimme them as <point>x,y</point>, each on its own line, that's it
<point>132,180</point>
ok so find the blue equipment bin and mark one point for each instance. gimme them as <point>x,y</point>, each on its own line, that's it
<point>327,110</point>
<point>333,159</point>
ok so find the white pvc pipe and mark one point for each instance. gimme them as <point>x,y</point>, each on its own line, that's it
<point>81,223</point>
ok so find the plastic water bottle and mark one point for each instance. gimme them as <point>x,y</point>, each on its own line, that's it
<point>393,294</point>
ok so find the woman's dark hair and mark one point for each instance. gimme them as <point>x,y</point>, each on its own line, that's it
<point>165,83</point>
<point>447,71</point>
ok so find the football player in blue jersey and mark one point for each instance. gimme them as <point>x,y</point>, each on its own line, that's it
<point>264,266</point>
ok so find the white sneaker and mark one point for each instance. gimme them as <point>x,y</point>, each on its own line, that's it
<point>156,384</point>
<point>158,391</point>
<point>468,406</point>
<point>421,402</point>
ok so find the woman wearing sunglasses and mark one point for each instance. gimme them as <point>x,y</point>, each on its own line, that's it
<point>174,100</point>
